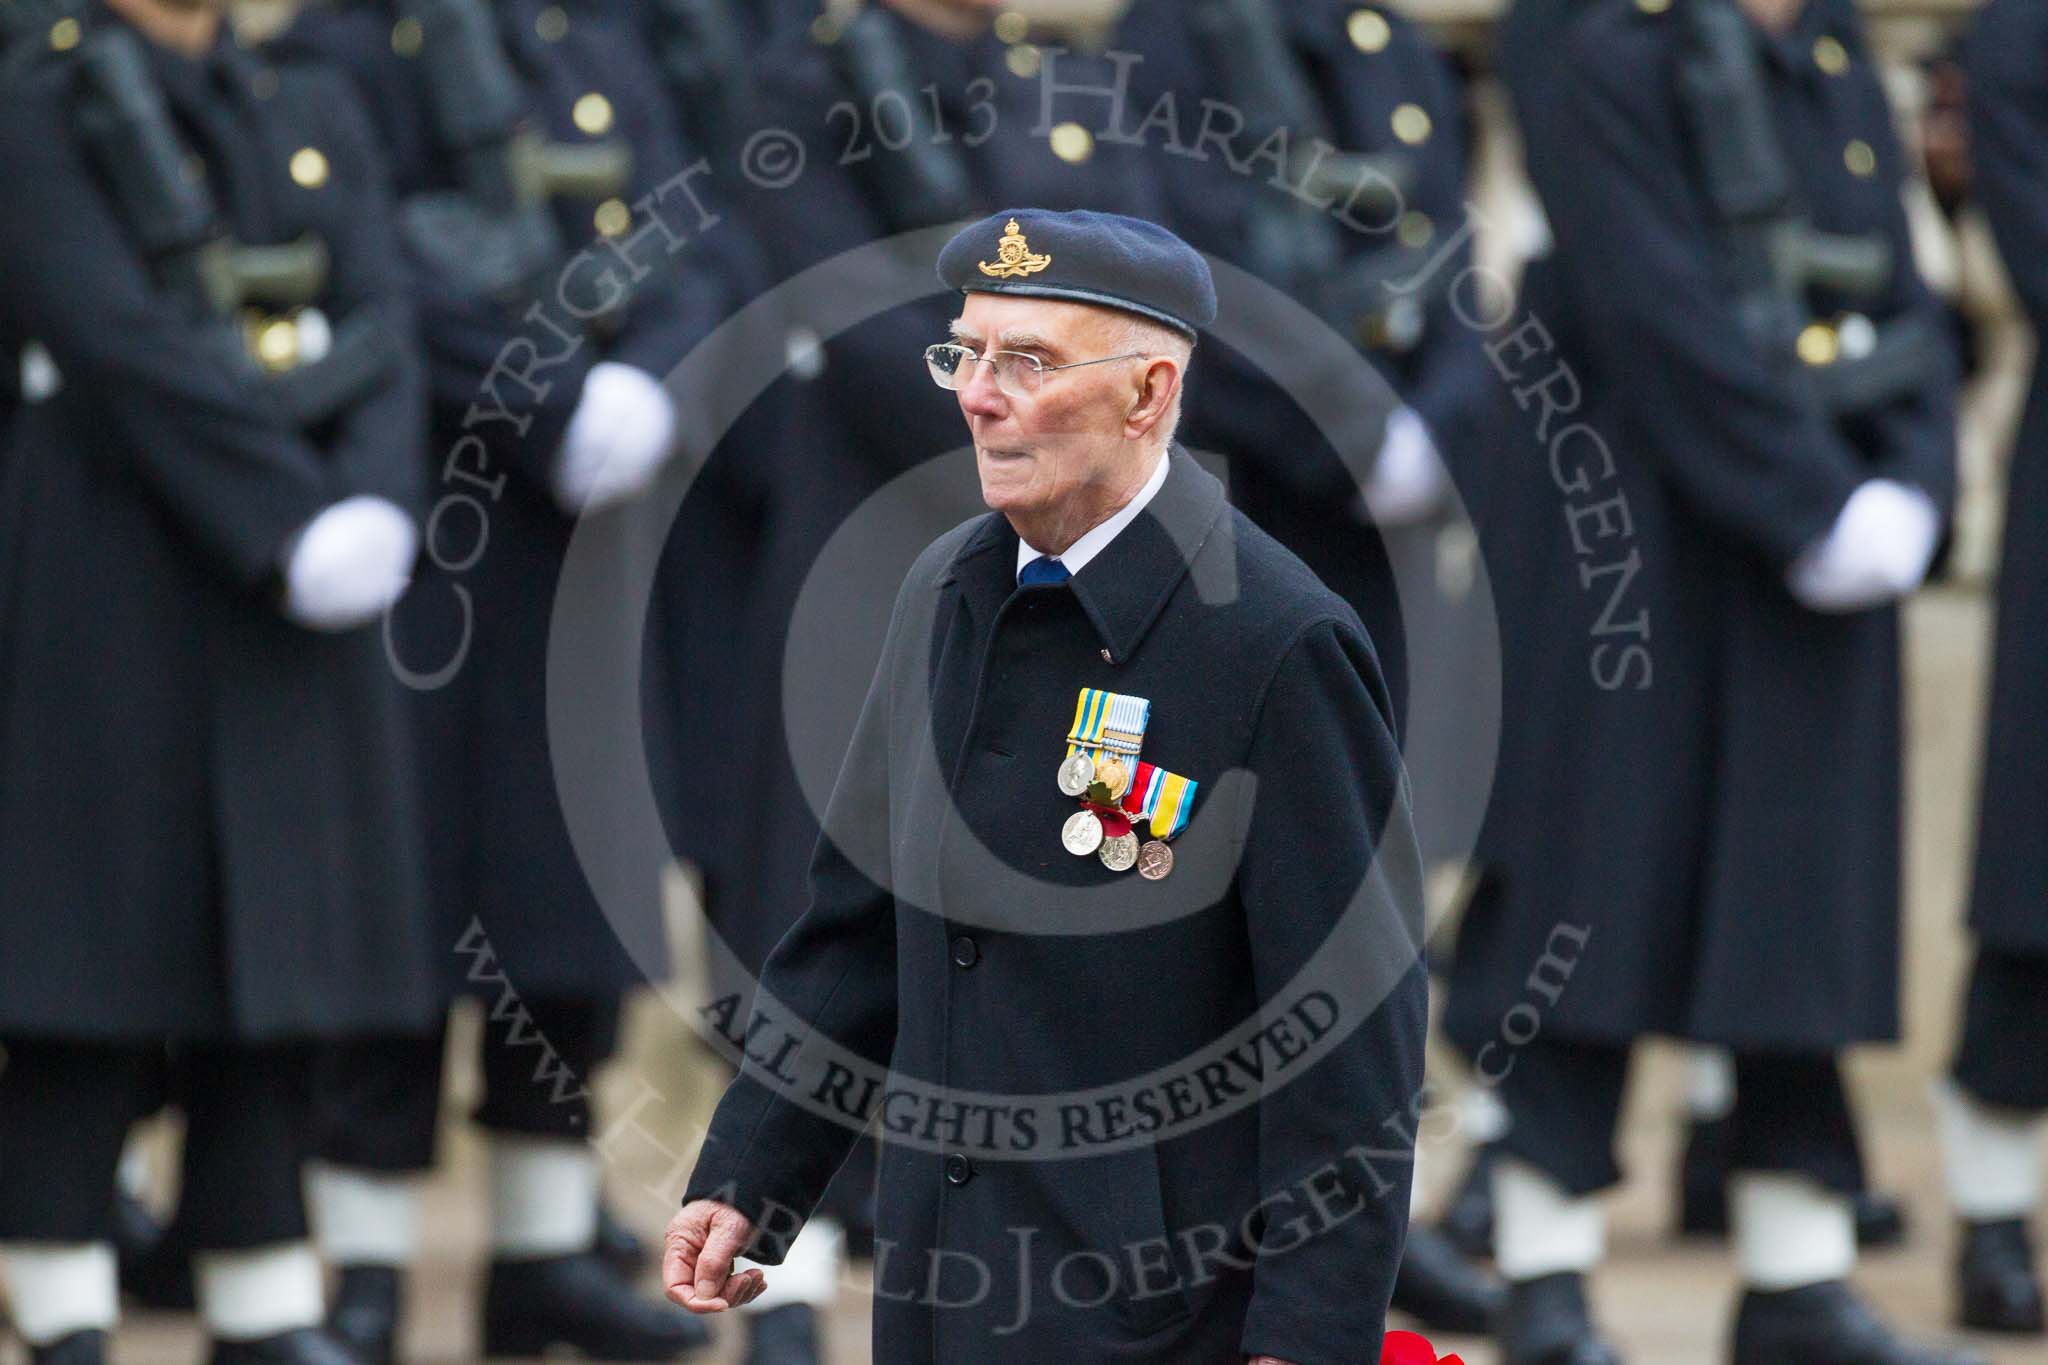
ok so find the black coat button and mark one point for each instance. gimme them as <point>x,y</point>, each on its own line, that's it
<point>966,952</point>
<point>959,1170</point>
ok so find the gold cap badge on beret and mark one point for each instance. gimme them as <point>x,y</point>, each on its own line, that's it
<point>1013,257</point>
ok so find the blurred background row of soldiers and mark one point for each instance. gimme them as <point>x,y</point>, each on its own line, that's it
<point>1698,358</point>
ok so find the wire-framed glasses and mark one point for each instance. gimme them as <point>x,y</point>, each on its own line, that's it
<point>1017,373</point>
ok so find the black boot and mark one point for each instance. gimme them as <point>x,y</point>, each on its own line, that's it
<point>1703,1179</point>
<point>1998,1286</point>
<point>1826,1324</point>
<point>365,1314</point>
<point>783,1336</point>
<point>1442,1291</point>
<point>136,1229</point>
<point>1546,1323</point>
<point>1880,1220</point>
<point>1468,1218</point>
<point>859,1245</point>
<point>618,1245</point>
<point>533,1306</point>
<point>306,1346</point>
<point>155,1271</point>
<point>80,1348</point>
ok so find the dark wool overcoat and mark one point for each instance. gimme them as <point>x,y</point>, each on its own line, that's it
<point>2009,144</point>
<point>1102,1098</point>
<point>208,821</point>
<point>507,375</point>
<point>1700,778</point>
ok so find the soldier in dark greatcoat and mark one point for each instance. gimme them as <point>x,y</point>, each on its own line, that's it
<point>1518,502</point>
<point>1367,118</point>
<point>1371,258</point>
<point>209,843</point>
<point>1991,1116</point>
<point>558,239</point>
<point>1744,463</point>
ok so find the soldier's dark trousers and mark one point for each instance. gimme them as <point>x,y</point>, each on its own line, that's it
<point>1791,1115</point>
<point>65,1111</point>
<point>379,1099</point>
<point>2002,1058</point>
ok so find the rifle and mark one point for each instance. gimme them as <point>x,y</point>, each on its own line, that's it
<point>701,54</point>
<point>1774,251</point>
<point>924,183</point>
<point>1290,242</point>
<point>495,235</point>
<point>128,131</point>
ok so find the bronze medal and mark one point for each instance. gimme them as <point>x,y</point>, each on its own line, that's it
<point>1155,861</point>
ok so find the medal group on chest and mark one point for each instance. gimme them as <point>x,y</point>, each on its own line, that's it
<point>1117,791</point>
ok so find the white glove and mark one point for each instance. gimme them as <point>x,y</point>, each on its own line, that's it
<point>349,564</point>
<point>622,432</point>
<point>1877,551</point>
<point>1408,480</point>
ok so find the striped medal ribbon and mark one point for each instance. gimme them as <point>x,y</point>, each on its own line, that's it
<point>1103,744</point>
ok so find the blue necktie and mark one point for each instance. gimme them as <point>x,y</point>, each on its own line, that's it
<point>1044,569</point>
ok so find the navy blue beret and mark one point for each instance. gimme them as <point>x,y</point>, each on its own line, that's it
<point>1100,258</point>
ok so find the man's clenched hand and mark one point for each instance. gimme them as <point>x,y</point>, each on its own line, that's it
<point>696,1260</point>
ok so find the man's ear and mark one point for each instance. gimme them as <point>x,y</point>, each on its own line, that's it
<point>1152,399</point>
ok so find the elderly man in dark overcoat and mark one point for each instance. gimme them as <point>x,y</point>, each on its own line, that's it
<point>968,80</point>
<point>1115,931</point>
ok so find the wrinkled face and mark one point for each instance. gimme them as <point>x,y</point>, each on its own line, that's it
<point>1064,445</point>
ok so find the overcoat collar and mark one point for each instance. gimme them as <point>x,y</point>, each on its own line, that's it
<point>1792,51</point>
<point>1125,588</point>
<point>224,68</point>
<point>951,63</point>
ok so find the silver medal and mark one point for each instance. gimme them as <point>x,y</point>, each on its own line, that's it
<point>1121,853</point>
<point>1083,833</point>
<point>1076,773</point>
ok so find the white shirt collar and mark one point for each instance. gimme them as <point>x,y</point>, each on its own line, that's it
<point>1095,540</point>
